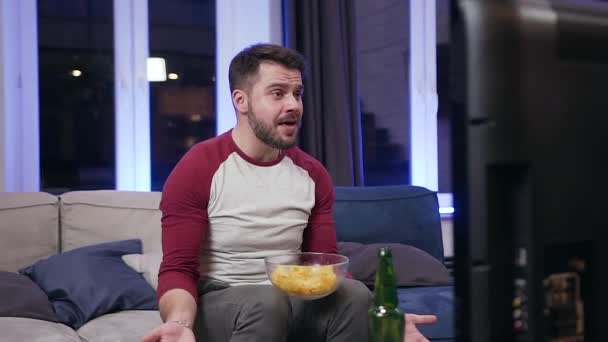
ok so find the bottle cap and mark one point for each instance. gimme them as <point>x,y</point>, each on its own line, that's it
<point>385,251</point>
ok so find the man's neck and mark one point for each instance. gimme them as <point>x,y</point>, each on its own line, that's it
<point>255,149</point>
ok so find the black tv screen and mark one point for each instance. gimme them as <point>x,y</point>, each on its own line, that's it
<point>530,169</point>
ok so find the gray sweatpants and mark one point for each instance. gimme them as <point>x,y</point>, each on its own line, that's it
<point>252,313</point>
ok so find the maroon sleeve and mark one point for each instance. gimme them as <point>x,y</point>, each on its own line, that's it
<point>320,234</point>
<point>184,224</point>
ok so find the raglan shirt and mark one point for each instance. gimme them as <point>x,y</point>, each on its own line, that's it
<point>223,213</point>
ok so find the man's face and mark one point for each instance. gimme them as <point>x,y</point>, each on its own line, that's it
<point>275,105</point>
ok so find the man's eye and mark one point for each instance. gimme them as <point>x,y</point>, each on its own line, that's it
<point>277,93</point>
<point>298,94</point>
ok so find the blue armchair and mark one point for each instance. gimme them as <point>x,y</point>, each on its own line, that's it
<point>400,214</point>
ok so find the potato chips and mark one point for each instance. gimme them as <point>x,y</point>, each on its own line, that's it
<point>310,280</point>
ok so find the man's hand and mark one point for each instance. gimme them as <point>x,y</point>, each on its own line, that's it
<point>411,332</point>
<point>170,332</point>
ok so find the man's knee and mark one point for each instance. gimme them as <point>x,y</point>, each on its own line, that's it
<point>244,313</point>
<point>268,303</point>
<point>357,293</point>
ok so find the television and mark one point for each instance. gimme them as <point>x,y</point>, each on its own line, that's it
<point>529,105</point>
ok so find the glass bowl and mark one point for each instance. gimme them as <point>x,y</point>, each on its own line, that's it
<point>307,275</point>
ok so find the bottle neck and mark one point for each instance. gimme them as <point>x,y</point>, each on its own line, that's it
<point>385,289</point>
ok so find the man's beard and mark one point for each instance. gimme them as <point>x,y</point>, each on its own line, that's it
<point>267,135</point>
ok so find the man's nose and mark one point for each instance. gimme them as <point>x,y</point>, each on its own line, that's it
<point>292,103</point>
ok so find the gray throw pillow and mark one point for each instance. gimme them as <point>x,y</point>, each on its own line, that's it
<point>413,266</point>
<point>21,297</point>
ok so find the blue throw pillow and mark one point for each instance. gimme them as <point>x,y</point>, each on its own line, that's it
<point>90,281</point>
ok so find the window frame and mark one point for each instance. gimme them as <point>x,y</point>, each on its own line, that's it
<point>425,101</point>
<point>19,112</point>
<point>132,96</point>
<point>423,92</point>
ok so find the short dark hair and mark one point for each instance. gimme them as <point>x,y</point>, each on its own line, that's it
<point>245,65</point>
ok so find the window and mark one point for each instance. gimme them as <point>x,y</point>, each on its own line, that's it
<point>76,92</point>
<point>397,80</point>
<point>93,135</point>
<point>403,66</point>
<point>121,85</point>
<point>383,56</point>
<point>182,104</point>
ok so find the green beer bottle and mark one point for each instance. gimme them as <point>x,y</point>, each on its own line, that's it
<point>386,320</point>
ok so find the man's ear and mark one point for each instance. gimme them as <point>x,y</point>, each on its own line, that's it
<point>240,100</point>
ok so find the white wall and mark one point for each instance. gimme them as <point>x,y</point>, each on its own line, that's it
<point>240,23</point>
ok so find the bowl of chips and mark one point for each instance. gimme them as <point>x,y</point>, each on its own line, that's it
<point>307,275</point>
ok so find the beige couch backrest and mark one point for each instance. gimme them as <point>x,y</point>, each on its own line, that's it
<point>90,217</point>
<point>36,225</point>
<point>28,228</point>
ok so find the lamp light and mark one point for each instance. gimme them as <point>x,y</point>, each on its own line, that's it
<point>157,70</point>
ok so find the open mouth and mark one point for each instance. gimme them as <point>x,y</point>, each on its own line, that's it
<point>288,123</point>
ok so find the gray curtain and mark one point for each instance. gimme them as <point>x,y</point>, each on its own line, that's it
<point>324,32</point>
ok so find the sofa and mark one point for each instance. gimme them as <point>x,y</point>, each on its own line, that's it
<point>406,218</point>
<point>73,249</point>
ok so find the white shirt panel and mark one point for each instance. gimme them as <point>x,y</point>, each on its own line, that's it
<point>254,212</point>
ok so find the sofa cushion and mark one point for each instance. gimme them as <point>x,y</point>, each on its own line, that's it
<point>21,297</point>
<point>437,300</point>
<point>97,216</point>
<point>400,214</point>
<point>29,222</point>
<point>34,330</point>
<point>90,281</point>
<point>413,266</point>
<point>120,326</point>
<point>147,264</point>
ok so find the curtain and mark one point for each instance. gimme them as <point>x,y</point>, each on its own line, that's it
<point>324,32</point>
